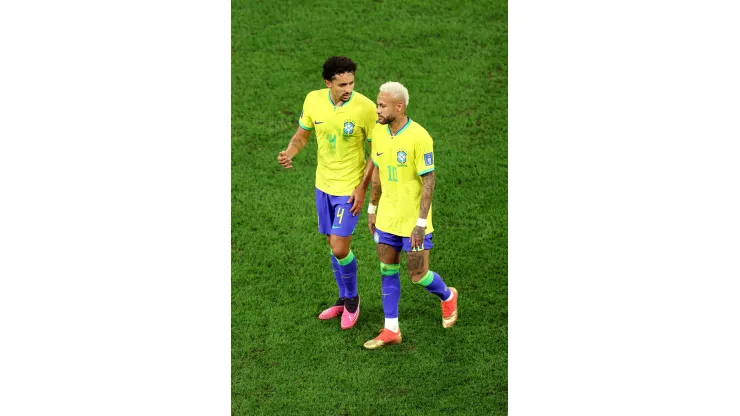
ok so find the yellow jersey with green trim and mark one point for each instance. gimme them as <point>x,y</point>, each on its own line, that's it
<point>401,159</point>
<point>341,132</point>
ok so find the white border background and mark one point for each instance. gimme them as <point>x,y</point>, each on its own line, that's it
<point>115,208</point>
<point>623,206</point>
<point>115,212</point>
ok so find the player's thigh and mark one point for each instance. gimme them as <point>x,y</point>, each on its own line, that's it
<point>417,263</point>
<point>388,246</point>
<point>324,212</point>
<point>388,254</point>
<point>343,222</point>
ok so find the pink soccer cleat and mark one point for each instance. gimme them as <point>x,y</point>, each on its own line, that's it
<point>331,313</point>
<point>350,319</point>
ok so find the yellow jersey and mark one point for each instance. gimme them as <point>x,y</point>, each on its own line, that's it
<point>401,160</point>
<point>341,133</point>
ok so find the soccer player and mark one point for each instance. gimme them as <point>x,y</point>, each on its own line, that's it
<point>343,120</point>
<point>400,209</point>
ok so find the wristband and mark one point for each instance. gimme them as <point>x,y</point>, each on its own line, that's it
<point>371,208</point>
<point>421,222</point>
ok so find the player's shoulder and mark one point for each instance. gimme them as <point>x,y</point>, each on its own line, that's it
<point>418,130</point>
<point>316,95</point>
<point>363,100</point>
<point>379,130</point>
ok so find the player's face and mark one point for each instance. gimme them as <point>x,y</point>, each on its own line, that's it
<point>341,86</point>
<point>387,108</point>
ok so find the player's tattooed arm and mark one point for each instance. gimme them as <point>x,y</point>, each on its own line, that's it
<point>417,237</point>
<point>376,189</point>
<point>375,192</point>
<point>427,191</point>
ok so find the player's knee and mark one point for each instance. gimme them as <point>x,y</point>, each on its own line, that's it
<point>340,252</point>
<point>417,275</point>
<point>339,247</point>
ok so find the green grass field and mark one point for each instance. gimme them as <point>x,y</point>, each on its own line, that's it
<point>452,56</point>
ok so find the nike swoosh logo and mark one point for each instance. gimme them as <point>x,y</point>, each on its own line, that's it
<point>378,154</point>
<point>333,227</point>
<point>386,294</point>
<point>318,122</point>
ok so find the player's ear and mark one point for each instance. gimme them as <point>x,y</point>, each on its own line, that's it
<point>328,83</point>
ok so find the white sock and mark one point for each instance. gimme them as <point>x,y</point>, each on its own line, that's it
<point>392,324</point>
<point>450,298</point>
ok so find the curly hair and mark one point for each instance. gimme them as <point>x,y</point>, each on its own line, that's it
<point>336,65</point>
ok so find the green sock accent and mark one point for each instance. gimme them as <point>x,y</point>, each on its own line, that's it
<point>347,260</point>
<point>426,280</point>
<point>389,269</point>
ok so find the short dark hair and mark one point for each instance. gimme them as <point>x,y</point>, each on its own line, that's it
<point>336,65</point>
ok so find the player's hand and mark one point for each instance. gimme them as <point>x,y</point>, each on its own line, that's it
<point>284,160</point>
<point>357,199</point>
<point>371,223</point>
<point>417,236</point>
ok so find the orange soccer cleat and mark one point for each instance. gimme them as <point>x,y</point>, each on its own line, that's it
<point>386,337</point>
<point>449,310</point>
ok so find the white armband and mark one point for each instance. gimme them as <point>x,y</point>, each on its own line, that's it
<point>371,208</point>
<point>421,222</point>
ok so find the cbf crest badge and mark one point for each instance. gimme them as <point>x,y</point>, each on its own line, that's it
<point>401,156</point>
<point>349,127</point>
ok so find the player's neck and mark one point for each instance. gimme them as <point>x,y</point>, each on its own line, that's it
<point>398,124</point>
<point>337,101</point>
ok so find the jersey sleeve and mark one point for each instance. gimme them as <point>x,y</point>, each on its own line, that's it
<point>305,120</point>
<point>424,155</point>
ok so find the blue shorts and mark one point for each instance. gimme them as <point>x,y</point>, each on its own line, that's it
<point>334,214</point>
<point>401,243</point>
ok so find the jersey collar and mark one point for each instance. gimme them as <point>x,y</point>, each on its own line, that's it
<point>328,95</point>
<point>388,126</point>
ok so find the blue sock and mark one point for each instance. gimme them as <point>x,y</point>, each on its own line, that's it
<point>348,269</point>
<point>338,276</point>
<point>434,284</point>
<point>390,289</point>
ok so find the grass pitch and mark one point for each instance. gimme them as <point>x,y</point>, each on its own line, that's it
<point>452,56</point>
